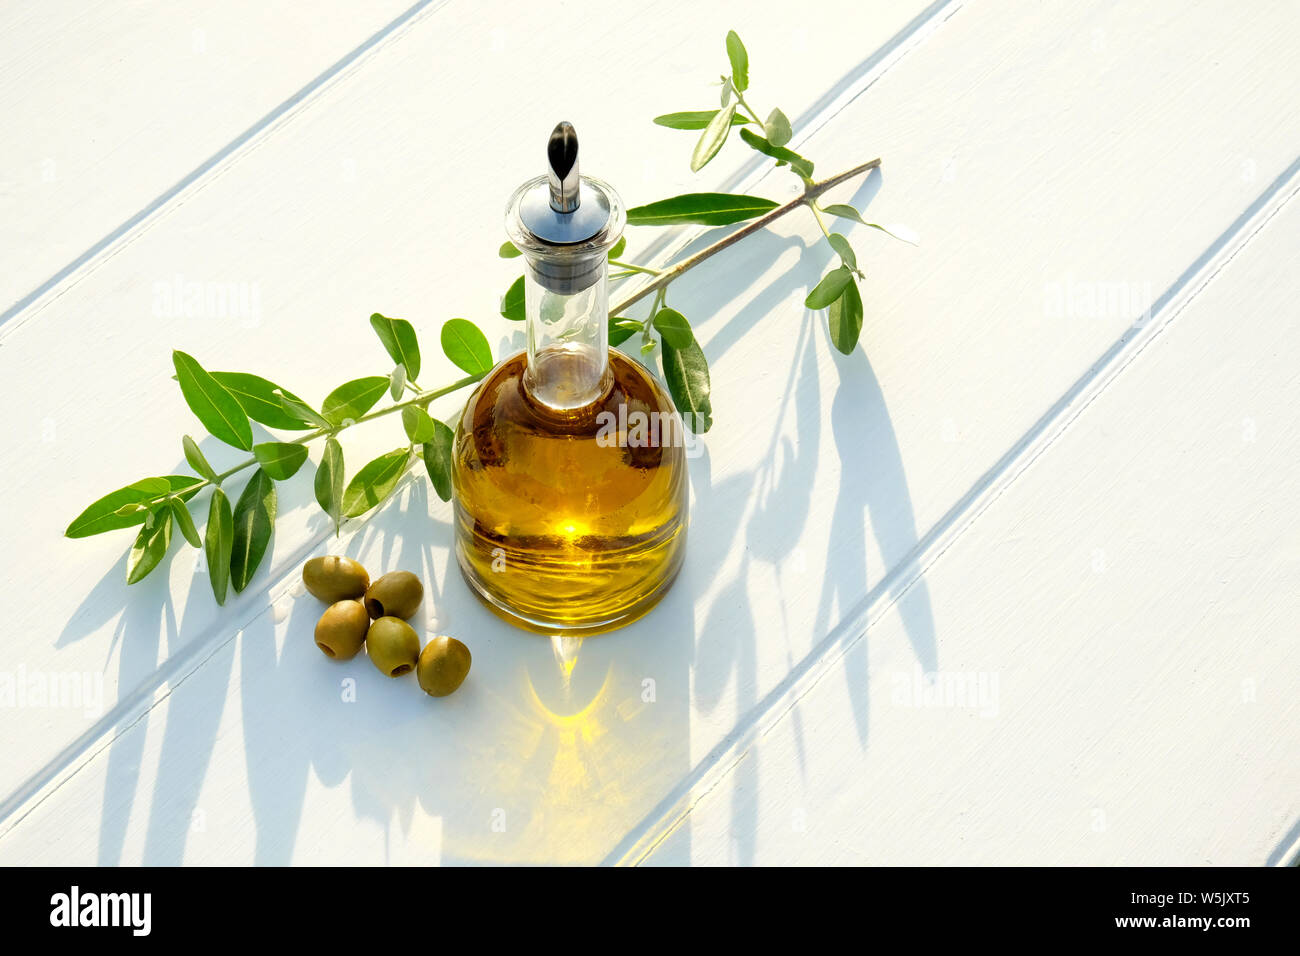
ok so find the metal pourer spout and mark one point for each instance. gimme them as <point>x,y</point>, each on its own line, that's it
<point>562,174</point>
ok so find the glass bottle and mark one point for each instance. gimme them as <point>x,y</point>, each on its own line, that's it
<point>569,465</point>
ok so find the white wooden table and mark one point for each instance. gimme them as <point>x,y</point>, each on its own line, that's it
<point>1016,582</point>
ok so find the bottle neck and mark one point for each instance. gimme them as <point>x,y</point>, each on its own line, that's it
<point>568,340</point>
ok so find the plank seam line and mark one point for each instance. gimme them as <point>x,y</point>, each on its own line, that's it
<point>138,223</point>
<point>714,767</point>
<point>128,711</point>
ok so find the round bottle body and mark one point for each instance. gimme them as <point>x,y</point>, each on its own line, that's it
<point>570,521</point>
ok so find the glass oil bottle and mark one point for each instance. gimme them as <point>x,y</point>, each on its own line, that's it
<point>569,466</point>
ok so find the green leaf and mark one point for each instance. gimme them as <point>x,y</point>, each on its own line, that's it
<point>829,289</point>
<point>466,346</point>
<point>900,232</point>
<point>437,454</point>
<point>622,329</point>
<point>509,250</point>
<point>686,373</point>
<point>375,482</point>
<point>711,140</point>
<point>800,165</point>
<point>280,459</point>
<point>512,303</point>
<point>257,397</point>
<point>777,128</point>
<point>398,337</point>
<point>254,520</point>
<point>728,88</point>
<point>299,409</point>
<point>617,251</point>
<point>103,515</point>
<point>845,319</point>
<point>703,209</point>
<point>329,481</point>
<point>418,423</point>
<point>150,545</point>
<point>739,61</point>
<point>195,457</point>
<point>216,408</point>
<point>841,245</point>
<point>696,119</point>
<point>183,521</point>
<point>397,381</point>
<point>674,328</point>
<point>353,399</point>
<point>218,540</point>
<point>844,212</point>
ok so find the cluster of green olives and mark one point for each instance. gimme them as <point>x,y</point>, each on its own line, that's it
<point>375,614</point>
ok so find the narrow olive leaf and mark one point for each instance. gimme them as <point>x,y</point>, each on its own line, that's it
<point>800,165</point>
<point>841,245</point>
<point>183,521</point>
<point>437,459</point>
<point>399,340</point>
<point>617,251</point>
<point>695,119</point>
<point>375,482</point>
<point>739,61</point>
<point>418,423</point>
<point>845,319</point>
<point>215,407</point>
<point>701,209</point>
<point>509,250</point>
<point>648,346</point>
<point>329,481</point>
<point>674,328</point>
<point>829,289</point>
<point>397,381</point>
<point>150,545</point>
<point>711,140</point>
<point>844,212</point>
<point>728,88</point>
<point>218,540</point>
<point>512,303</point>
<point>108,514</point>
<point>257,397</point>
<point>298,408</point>
<point>897,231</point>
<point>467,346</point>
<point>254,520</point>
<point>280,459</point>
<point>777,128</point>
<point>195,457</point>
<point>621,329</point>
<point>686,372</point>
<point>353,399</point>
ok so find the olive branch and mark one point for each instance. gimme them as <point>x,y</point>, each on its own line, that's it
<point>236,538</point>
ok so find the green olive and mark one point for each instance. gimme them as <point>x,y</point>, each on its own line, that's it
<point>393,645</point>
<point>444,662</point>
<point>396,594</point>
<point>334,578</point>
<point>341,630</point>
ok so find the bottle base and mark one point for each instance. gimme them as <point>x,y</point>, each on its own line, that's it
<point>569,627</point>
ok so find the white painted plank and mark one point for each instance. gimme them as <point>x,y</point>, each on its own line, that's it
<point>413,232</point>
<point>108,106</point>
<point>577,767</point>
<point>1115,663</point>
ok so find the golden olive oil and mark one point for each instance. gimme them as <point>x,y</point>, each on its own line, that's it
<point>570,520</point>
